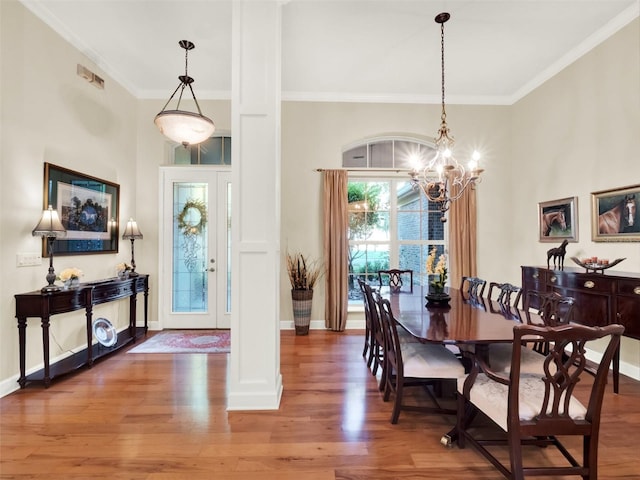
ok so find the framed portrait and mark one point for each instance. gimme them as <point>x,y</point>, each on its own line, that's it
<point>88,209</point>
<point>614,215</point>
<point>558,220</point>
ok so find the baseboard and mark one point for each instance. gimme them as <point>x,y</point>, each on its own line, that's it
<point>319,325</point>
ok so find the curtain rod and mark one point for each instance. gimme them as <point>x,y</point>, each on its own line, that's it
<point>365,170</point>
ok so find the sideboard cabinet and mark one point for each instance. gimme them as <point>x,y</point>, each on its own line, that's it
<point>600,298</point>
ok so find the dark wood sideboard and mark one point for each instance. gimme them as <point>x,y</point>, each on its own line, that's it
<point>43,305</point>
<point>600,298</point>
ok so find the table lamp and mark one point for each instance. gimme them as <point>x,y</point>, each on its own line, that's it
<point>131,232</point>
<point>50,227</point>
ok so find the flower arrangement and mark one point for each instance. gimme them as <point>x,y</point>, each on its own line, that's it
<point>70,274</point>
<point>303,273</point>
<point>123,267</point>
<point>440,269</point>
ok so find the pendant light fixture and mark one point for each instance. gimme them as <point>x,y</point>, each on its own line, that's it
<point>188,128</point>
<point>443,179</point>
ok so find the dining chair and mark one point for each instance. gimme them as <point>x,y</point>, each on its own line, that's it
<point>395,281</point>
<point>536,409</point>
<point>376,355</point>
<point>508,295</point>
<point>367,351</point>
<point>552,309</point>
<point>472,287</point>
<point>414,364</point>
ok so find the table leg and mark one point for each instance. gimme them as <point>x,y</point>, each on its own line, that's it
<point>22,326</point>
<point>45,351</point>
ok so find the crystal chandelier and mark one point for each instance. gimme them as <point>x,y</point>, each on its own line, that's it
<point>443,179</point>
<point>188,128</point>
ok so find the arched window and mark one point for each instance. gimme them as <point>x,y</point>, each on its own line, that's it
<point>391,224</point>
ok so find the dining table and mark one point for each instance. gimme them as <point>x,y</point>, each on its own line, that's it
<point>463,321</point>
<point>471,324</point>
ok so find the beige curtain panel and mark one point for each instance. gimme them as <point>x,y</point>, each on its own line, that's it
<point>336,245</point>
<point>462,237</point>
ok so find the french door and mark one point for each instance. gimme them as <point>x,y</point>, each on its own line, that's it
<point>195,247</point>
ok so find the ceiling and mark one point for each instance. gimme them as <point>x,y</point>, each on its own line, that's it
<point>349,50</point>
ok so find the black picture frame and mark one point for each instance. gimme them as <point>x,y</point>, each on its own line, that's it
<point>88,208</point>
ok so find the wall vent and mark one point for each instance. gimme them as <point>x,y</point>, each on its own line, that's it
<point>90,77</point>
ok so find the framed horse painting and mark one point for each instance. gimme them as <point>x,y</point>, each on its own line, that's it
<point>558,220</point>
<point>614,215</point>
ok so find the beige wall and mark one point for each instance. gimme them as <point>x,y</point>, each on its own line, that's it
<point>49,114</point>
<point>576,134</point>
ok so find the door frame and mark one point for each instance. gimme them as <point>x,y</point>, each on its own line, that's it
<point>189,173</point>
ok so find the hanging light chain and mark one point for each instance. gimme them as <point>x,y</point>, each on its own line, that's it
<point>443,116</point>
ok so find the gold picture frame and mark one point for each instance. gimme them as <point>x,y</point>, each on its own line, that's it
<point>615,215</point>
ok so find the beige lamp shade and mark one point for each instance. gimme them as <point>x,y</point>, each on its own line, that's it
<point>49,225</point>
<point>131,231</point>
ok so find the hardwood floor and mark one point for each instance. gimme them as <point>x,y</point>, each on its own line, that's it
<point>163,416</point>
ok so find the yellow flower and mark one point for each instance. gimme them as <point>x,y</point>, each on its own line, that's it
<point>123,267</point>
<point>70,273</point>
<point>431,260</point>
<point>440,270</point>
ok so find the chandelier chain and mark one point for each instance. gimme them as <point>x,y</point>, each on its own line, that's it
<point>443,116</point>
<point>186,60</point>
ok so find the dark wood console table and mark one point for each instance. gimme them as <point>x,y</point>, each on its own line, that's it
<point>600,298</point>
<point>43,305</point>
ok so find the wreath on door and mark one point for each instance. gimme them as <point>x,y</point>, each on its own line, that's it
<point>193,217</point>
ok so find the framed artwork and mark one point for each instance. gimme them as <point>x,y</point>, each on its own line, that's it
<point>558,220</point>
<point>88,209</point>
<point>614,215</point>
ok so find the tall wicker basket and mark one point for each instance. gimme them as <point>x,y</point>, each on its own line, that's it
<point>302,300</point>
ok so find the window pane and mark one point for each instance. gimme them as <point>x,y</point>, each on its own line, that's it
<point>355,158</point>
<point>381,154</point>
<point>189,248</point>
<point>408,226</point>
<point>211,151</point>
<point>227,151</point>
<point>409,258</point>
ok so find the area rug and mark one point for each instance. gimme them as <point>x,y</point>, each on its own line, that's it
<point>186,341</point>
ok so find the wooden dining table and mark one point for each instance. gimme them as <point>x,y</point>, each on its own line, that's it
<point>471,324</point>
<point>463,321</point>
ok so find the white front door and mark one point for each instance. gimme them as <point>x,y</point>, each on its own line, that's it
<point>195,280</point>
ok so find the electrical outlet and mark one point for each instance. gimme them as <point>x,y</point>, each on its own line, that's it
<point>28,259</point>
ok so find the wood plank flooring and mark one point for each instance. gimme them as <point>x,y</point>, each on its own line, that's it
<point>163,416</point>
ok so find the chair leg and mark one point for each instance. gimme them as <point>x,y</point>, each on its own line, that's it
<point>366,342</point>
<point>383,375</point>
<point>376,357</point>
<point>515,456</point>
<point>397,401</point>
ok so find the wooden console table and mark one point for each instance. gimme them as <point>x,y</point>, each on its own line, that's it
<point>600,298</point>
<point>43,305</point>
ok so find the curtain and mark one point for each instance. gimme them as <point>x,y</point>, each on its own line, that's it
<point>336,245</point>
<point>463,237</point>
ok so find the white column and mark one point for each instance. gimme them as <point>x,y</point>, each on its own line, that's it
<point>254,380</point>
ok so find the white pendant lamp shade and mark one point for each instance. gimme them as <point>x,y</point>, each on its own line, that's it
<point>184,127</point>
<point>187,128</point>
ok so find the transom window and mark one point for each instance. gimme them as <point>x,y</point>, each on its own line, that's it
<point>215,150</point>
